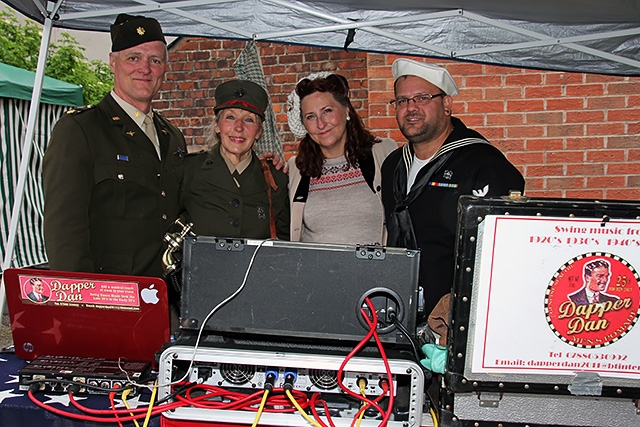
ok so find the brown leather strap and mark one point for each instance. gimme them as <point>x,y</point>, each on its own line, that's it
<point>271,185</point>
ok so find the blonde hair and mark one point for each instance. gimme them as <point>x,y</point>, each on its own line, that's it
<point>213,138</point>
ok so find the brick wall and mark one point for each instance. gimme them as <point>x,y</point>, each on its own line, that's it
<point>572,135</point>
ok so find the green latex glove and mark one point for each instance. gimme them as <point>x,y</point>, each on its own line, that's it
<point>436,358</point>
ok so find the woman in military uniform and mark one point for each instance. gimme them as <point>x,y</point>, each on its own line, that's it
<point>227,191</point>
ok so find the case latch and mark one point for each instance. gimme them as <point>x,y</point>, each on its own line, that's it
<point>370,252</point>
<point>489,400</point>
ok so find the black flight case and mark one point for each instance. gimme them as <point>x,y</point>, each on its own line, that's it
<point>543,328</point>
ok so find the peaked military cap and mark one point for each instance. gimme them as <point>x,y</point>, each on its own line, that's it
<point>129,31</point>
<point>243,94</point>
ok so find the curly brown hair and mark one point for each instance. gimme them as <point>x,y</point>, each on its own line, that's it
<point>359,140</point>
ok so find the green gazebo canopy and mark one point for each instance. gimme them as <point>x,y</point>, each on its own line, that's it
<point>18,83</point>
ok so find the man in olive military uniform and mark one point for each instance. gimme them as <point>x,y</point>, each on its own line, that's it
<point>112,172</point>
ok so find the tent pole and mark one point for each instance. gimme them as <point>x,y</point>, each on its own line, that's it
<point>27,144</point>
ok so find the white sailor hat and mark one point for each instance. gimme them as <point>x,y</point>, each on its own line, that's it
<point>434,74</point>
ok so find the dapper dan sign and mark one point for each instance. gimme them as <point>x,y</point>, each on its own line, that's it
<point>557,296</point>
<point>81,293</point>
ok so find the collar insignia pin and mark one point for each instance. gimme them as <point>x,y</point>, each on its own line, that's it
<point>131,133</point>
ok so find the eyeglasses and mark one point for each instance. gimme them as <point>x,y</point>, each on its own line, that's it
<point>418,99</point>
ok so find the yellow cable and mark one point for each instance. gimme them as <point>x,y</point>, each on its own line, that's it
<point>304,414</point>
<point>125,393</point>
<point>434,417</point>
<point>363,391</point>
<point>153,397</point>
<point>261,408</point>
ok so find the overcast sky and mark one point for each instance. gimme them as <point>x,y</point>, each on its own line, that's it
<point>96,44</point>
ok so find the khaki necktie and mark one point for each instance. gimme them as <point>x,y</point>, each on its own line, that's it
<point>150,131</point>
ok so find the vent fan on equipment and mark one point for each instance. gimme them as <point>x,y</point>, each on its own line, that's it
<point>324,379</point>
<point>237,374</point>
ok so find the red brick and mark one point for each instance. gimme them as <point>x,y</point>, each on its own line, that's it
<point>545,144</point>
<point>606,182</point>
<point>526,158</point>
<point>205,44</point>
<point>482,81</point>
<point>471,120</point>
<point>634,101</point>
<point>605,102</point>
<point>382,123</point>
<point>497,69</point>
<point>545,194</point>
<point>585,143</point>
<point>563,78</point>
<point>523,79</point>
<point>624,88</point>
<point>623,194</point>
<point>565,182</point>
<point>633,128</point>
<point>509,145</point>
<point>485,107</point>
<point>565,130</point>
<point>464,68</point>
<point>584,116</point>
<point>566,156</point>
<point>505,119</point>
<point>545,170</point>
<point>623,168</point>
<point>543,92</point>
<point>584,169</point>
<point>606,155</point>
<point>525,131</point>
<point>585,90</point>
<point>633,155</point>
<point>628,114</point>
<point>503,93</point>
<point>492,133</point>
<point>605,129</point>
<point>516,105</point>
<point>584,194</point>
<point>565,104</point>
<point>543,118</point>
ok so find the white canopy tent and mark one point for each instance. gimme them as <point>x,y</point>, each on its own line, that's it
<point>591,36</point>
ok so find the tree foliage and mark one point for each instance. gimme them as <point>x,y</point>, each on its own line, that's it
<point>20,45</point>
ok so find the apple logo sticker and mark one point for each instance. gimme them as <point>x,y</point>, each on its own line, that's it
<point>150,295</point>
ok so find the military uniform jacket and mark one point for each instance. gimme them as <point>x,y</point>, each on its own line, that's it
<point>478,169</point>
<point>218,207</point>
<point>109,200</point>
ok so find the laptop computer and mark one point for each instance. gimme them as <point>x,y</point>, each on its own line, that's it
<point>60,313</point>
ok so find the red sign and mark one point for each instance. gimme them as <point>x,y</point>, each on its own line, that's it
<point>593,300</point>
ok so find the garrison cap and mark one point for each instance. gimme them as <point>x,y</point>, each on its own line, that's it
<point>243,94</point>
<point>434,74</point>
<point>129,31</point>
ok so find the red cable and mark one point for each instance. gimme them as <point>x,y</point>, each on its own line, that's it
<point>356,349</point>
<point>124,411</point>
<point>87,417</point>
<point>112,399</point>
<point>312,405</point>
<point>383,355</point>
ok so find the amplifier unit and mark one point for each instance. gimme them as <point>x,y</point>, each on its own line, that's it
<point>298,291</point>
<point>61,374</point>
<point>246,371</point>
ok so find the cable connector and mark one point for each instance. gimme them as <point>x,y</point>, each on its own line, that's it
<point>270,378</point>
<point>290,378</point>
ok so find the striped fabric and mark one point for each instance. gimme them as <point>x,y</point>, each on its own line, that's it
<point>248,66</point>
<point>29,248</point>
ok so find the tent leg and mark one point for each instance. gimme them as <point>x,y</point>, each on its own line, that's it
<point>27,144</point>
